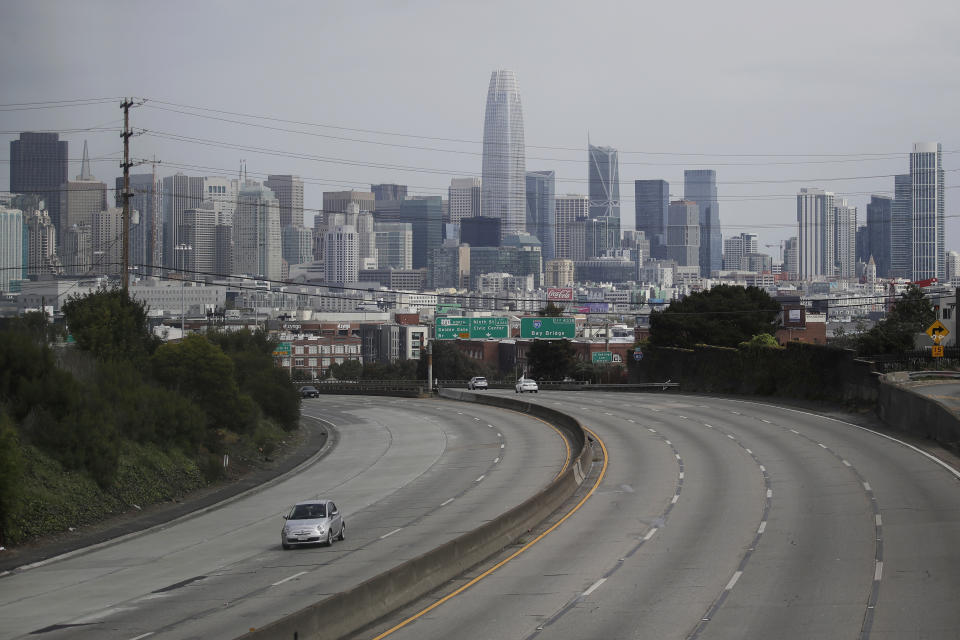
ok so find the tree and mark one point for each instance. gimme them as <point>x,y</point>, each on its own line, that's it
<point>551,310</point>
<point>110,325</point>
<point>11,468</point>
<point>761,341</point>
<point>348,370</point>
<point>449,363</point>
<point>551,359</point>
<point>910,315</point>
<point>724,316</point>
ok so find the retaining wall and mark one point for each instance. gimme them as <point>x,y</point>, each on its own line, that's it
<point>351,610</point>
<point>916,414</point>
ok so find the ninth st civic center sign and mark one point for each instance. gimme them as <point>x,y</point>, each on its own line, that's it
<point>548,328</point>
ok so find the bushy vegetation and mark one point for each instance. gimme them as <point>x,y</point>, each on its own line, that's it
<point>119,395</point>
<point>724,316</point>
<point>910,315</point>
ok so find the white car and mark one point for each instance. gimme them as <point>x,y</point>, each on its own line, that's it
<point>526,384</point>
<point>477,382</point>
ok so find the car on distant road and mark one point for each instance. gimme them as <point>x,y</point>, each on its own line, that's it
<point>309,392</point>
<point>312,522</point>
<point>527,385</point>
<point>477,382</point>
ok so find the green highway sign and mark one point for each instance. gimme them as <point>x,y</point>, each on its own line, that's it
<point>489,328</point>
<point>602,356</point>
<point>548,328</point>
<point>452,328</point>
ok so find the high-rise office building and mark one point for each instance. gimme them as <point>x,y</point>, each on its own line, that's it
<point>815,237</point>
<point>451,267</point>
<point>683,233</point>
<point>394,245</point>
<point>594,237</point>
<point>603,174</point>
<point>82,198</point>
<point>844,239</point>
<point>480,231</point>
<point>38,164</point>
<point>337,201</point>
<point>558,273</point>
<point>388,191</point>
<point>223,240</point>
<point>77,251</point>
<point>289,192</point>
<point>257,245</point>
<point>297,244</point>
<point>901,228</point>
<point>791,258</point>
<point>953,268</point>
<point>700,186</point>
<point>651,200</point>
<point>736,247</point>
<point>146,227</point>
<point>342,255</point>
<point>222,192</point>
<point>569,209</point>
<point>879,242</point>
<point>463,199</point>
<point>198,231</point>
<point>542,210</point>
<point>11,248</point>
<point>106,229</point>
<point>179,192</point>
<point>504,155</point>
<point>927,211</point>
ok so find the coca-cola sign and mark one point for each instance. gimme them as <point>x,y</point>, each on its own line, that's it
<point>559,295</point>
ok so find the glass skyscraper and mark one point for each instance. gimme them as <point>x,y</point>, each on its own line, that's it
<point>504,160</point>
<point>541,210</point>
<point>927,211</point>
<point>604,178</point>
<point>700,186</point>
<point>651,200</point>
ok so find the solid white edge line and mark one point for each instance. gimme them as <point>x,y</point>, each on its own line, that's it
<point>733,580</point>
<point>932,458</point>
<point>763,527</point>
<point>387,535</point>
<point>594,587</point>
<point>296,575</point>
<point>446,502</point>
<point>142,635</point>
<point>878,572</point>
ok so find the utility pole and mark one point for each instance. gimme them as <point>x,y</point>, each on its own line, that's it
<point>126,164</point>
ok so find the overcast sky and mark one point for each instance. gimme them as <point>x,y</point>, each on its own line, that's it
<point>774,96</point>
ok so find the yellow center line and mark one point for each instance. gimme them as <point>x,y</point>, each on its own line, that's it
<point>603,472</point>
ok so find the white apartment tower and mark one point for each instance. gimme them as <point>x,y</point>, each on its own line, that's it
<point>815,239</point>
<point>342,254</point>
<point>106,231</point>
<point>11,248</point>
<point>569,209</point>
<point>845,239</point>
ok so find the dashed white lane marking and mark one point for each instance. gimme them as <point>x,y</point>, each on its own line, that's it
<point>763,420</point>
<point>794,431</point>
<point>748,451</point>
<point>480,478</point>
<point>631,420</point>
<point>708,426</point>
<point>681,475</point>
<point>387,535</point>
<point>668,442</point>
<point>763,469</point>
<point>678,455</point>
<point>866,486</point>
<point>769,493</point>
<point>477,419</point>
<point>821,445</point>
<point>879,520</point>
<point>650,534</point>
<point>607,413</point>
<point>763,527</point>
<point>594,587</point>
<point>733,580</point>
<point>674,499</point>
<point>499,435</point>
<point>296,575</point>
<point>496,460</point>
<point>490,425</point>
<point>682,417</point>
<point>731,436</point>
<point>651,430</point>
<point>878,572</point>
<point>446,502</point>
<point>845,462</point>
<point>736,413</point>
<point>459,413</point>
<point>502,446</point>
<point>142,635</point>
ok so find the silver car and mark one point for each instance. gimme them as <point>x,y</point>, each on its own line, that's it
<point>312,522</point>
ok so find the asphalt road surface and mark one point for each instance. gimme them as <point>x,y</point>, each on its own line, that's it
<point>407,474</point>
<point>718,518</point>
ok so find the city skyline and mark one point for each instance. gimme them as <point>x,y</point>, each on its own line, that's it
<point>758,107</point>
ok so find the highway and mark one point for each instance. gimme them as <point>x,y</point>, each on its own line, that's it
<point>407,474</point>
<point>718,518</point>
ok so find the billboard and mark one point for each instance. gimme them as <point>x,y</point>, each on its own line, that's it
<point>557,294</point>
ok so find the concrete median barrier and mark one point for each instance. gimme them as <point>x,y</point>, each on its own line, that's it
<point>351,610</point>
